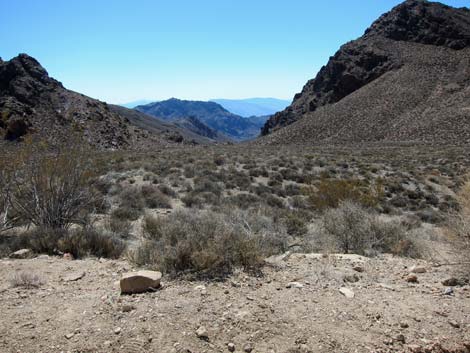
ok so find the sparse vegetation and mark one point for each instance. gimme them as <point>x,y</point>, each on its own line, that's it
<point>28,280</point>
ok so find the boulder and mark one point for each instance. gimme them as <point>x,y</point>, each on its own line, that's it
<point>22,254</point>
<point>139,282</point>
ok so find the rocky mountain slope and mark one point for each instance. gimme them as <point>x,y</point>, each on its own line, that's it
<point>31,102</point>
<point>208,113</point>
<point>406,79</point>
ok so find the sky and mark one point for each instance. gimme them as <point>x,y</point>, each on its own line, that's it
<point>125,50</point>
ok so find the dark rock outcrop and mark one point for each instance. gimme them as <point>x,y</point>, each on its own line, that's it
<point>375,55</point>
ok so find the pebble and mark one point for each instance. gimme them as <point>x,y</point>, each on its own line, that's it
<point>418,269</point>
<point>404,324</point>
<point>348,293</point>
<point>117,330</point>
<point>248,348</point>
<point>400,338</point>
<point>448,291</point>
<point>231,347</point>
<point>454,324</point>
<point>294,285</point>
<point>412,279</point>
<point>202,333</point>
<point>358,269</point>
<point>69,335</point>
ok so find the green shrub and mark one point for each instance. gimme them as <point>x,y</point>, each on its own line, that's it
<point>206,243</point>
<point>360,231</point>
<point>331,192</point>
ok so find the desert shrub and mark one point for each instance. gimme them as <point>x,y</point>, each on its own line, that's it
<point>193,199</point>
<point>243,200</point>
<point>167,190</point>
<point>121,227</point>
<point>459,221</point>
<point>40,240</point>
<point>89,241</point>
<point>126,213</point>
<point>206,243</point>
<point>274,201</point>
<point>51,187</point>
<point>331,192</point>
<point>206,185</point>
<point>26,279</point>
<point>360,231</point>
<point>295,222</point>
<point>154,198</point>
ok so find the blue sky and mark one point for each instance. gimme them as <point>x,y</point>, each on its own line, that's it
<point>123,50</point>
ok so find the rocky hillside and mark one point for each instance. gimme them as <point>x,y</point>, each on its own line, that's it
<point>31,102</point>
<point>406,79</point>
<point>208,113</point>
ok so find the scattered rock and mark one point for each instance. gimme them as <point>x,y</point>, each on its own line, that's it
<point>69,335</point>
<point>351,278</point>
<point>418,269</point>
<point>231,347</point>
<point>400,338</point>
<point>139,282</point>
<point>451,282</point>
<point>202,333</point>
<point>248,348</point>
<point>127,308</point>
<point>68,256</point>
<point>294,285</point>
<point>412,279</point>
<point>454,324</point>
<point>404,324</point>
<point>22,254</point>
<point>348,293</point>
<point>448,291</point>
<point>72,277</point>
<point>117,330</point>
<point>359,269</point>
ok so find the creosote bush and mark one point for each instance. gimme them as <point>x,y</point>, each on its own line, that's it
<point>208,243</point>
<point>51,185</point>
<point>358,230</point>
<point>331,192</point>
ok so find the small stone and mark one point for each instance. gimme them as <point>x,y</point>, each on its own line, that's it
<point>351,278</point>
<point>348,293</point>
<point>294,285</point>
<point>231,347</point>
<point>22,254</point>
<point>454,324</point>
<point>68,256</point>
<point>451,282</point>
<point>404,324</point>
<point>139,282</point>
<point>117,330</point>
<point>69,335</point>
<point>412,279</point>
<point>202,333</point>
<point>72,277</point>
<point>107,343</point>
<point>248,348</point>
<point>127,308</point>
<point>400,338</point>
<point>448,291</point>
<point>359,269</point>
<point>417,269</point>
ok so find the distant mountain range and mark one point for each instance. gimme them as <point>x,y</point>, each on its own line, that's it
<point>253,106</point>
<point>195,114</point>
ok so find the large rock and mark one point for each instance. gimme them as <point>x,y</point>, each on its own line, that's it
<point>22,254</point>
<point>139,282</point>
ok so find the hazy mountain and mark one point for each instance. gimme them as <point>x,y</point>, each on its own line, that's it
<point>136,103</point>
<point>209,113</point>
<point>406,79</point>
<point>253,106</point>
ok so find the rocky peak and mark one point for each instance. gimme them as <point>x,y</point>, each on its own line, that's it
<point>425,22</point>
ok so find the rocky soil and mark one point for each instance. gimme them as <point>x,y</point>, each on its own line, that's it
<point>300,303</point>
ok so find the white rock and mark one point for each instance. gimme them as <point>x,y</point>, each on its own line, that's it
<point>417,269</point>
<point>348,293</point>
<point>294,285</point>
<point>139,282</point>
<point>202,333</point>
<point>72,277</point>
<point>22,254</point>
